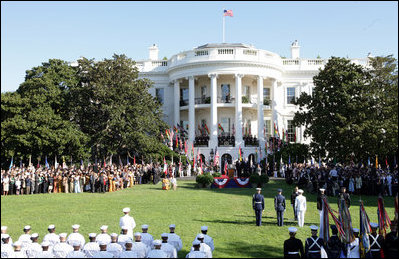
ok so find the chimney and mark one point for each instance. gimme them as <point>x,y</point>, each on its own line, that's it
<point>295,50</point>
<point>154,52</point>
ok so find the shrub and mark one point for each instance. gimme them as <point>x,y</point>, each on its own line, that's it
<point>245,99</point>
<point>217,174</point>
<point>254,179</point>
<point>204,179</point>
<point>263,179</point>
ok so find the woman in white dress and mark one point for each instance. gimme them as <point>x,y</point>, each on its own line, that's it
<point>6,184</point>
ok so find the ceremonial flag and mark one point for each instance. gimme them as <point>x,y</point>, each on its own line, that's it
<point>249,129</point>
<point>175,129</point>
<point>181,144</point>
<point>239,152</point>
<point>46,163</point>
<point>289,159</point>
<point>110,160</point>
<point>38,164</point>
<point>383,219</point>
<point>216,160</point>
<point>180,168</point>
<point>364,231</point>
<point>185,147</point>
<point>206,127</point>
<point>165,166</point>
<point>177,143</point>
<point>12,161</point>
<point>228,13</point>
<point>258,156</point>
<point>386,162</point>
<point>275,130</point>
<point>368,161</point>
<point>55,162</point>
<point>200,158</point>
<point>134,160</point>
<point>220,127</point>
<point>347,237</point>
<point>295,136</point>
<point>376,161</point>
<point>225,167</point>
<point>81,164</point>
<point>324,223</point>
<point>162,137</point>
<point>127,160</point>
<point>283,135</point>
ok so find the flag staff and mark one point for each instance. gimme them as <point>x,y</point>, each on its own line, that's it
<point>223,23</point>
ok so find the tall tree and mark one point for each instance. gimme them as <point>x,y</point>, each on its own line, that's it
<point>349,104</point>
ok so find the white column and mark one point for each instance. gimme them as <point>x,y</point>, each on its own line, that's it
<point>177,102</point>
<point>191,111</point>
<point>238,120</point>
<point>261,138</point>
<point>274,111</point>
<point>214,112</point>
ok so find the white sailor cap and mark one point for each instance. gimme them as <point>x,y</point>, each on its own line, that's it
<point>259,189</point>
<point>144,226</point>
<point>102,243</point>
<point>75,243</point>
<point>27,227</point>
<point>125,210</point>
<point>63,235</point>
<point>51,227</point>
<point>314,227</point>
<point>292,229</point>
<point>322,189</point>
<point>300,191</point>
<point>157,242</point>
<point>200,236</point>
<point>124,228</point>
<point>104,227</point>
<point>172,226</point>
<point>45,243</point>
<point>17,243</point>
<point>5,236</point>
<point>204,228</point>
<point>196,242</point>
<point>374,225</point>
<point>34,235</point>
<point>356,230</point>
<point>137,234</point>
<point>76,226</point>
<point>114,235</point>
<point>3,228</point>
<point>164,235</point>
<point>92,235</point>
<point>129,241</point>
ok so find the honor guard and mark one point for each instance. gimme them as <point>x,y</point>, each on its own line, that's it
<point>279,206</point>
<point>392,242</point>
<point>313,244</point>
<point>376,241</point>
<point>258,204</point>
<point>334,244</point>
<point>293,247</point>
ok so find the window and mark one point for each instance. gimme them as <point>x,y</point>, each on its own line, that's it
<point>159,94</point>
<point>266,93</point>
<point>225,93</point>
<point>291,131</point>
<point>290,95</point>
<point>203,91</point>
<point>225,123</point>
<point>245,91</point>
<point>267,130</point>
<point>183,96</point>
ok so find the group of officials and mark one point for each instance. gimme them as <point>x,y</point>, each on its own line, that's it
<point>125,245</point>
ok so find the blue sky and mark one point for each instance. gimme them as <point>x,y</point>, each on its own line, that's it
<point>33,32</point>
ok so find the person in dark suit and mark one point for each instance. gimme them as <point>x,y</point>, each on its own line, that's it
<point>345,196</point>
<point>103,180</point>
<point>258,204</point>
<point>92,182</point>
<point>293,196</point>
<point>293,247</point>
<point>392,242</point>
<point>334,244</point>
<point>279,206</point>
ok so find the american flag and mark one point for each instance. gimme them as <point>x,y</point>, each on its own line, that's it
<point>228,13</point>
<point>216,157</point>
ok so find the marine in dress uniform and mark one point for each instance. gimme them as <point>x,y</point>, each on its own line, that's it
<point>157,252</point>
<point>195,252</point>
<point>92,247</point>
<point>62,249</point>
<point>293,247</point>
<point>127,221</point>
<point>334,244</point>
<point>258,204</point>
<point>392,242</point>
<point>139,247</point>
<point>313,244</point>
<point>376,241</point>
<point>279,206</point>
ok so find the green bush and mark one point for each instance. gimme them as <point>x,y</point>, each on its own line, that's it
<point>263,179</point>
<point>245,99</point>
<point>266,101</point>
<point>200,179</point>
<point>254,179</point>
<point>217,174</point>
<point>204,179</point>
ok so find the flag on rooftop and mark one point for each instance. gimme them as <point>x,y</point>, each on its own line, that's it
<point>228,13</point>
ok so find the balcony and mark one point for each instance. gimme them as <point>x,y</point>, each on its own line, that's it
<point>226,141</point>
<point>203,100</point>
<point>201,141</point>
<point>251,141</point>
<point>226,99</point>
<point>183,102</point>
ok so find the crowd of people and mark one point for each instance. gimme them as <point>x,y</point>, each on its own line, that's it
<point>127,244</point>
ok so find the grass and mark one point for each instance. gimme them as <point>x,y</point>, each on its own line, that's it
<point>227,212</point>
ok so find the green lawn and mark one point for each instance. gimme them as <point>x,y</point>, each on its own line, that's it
<point>227,212</point>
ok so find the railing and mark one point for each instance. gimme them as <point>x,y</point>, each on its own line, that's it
<point>226,99</point>
<point>315,62</point>
<point>289,62</point>
<point>183,102</point>
<point>226,141</point>
<point>225,51</point>
<point>201,141</point>
<point>250,52</point>
<point>162,63</point>
<point>251,141</point>
<point>201,53</point>
<point>202,100</point>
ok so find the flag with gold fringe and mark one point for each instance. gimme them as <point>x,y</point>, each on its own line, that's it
<point>383,219</point>
<point>364,231</point>
<point>345,218</point>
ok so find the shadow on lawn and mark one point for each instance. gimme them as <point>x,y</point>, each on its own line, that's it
<point>245,249</point>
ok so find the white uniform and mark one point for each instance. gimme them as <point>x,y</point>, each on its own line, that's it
<point>141,249</point>
<point>196,254</point>
<point>90,248</point>
<point>76,237</point>
<point>33,249</point>
<point>147,239</point>
<point>157,253</point>
<point>6,250</point>
<point>52,238</point>
<point>25,240</point>
<point>115,249</point>
<point>62,249</point>
<point>353,249</point>
<point>103,237</point>
<point>128,254</point>
<point>300,207</point>
<point>45,254</point>
<point>128,222</point>
<point>208,240</point>
<point>122,239</point>
<point>10,241</point>
<point>204,248</point>
<point>169,249</point>
<point>76,254</point>
<point>104,254</point>
<point>18,254</point>
<point>175,240</point>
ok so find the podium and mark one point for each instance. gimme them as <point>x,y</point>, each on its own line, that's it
<point>230,172</point>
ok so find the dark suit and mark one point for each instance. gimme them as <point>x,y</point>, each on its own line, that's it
<point>279,206</point>
<point>258,204</point>
<point>293,248</point>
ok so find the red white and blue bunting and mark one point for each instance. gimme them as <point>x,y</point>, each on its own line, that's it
<point>242,182</point>
<point>236,182</point>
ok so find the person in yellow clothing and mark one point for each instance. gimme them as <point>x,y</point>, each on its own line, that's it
<point>165,184</point>
<point>110,184</point>
<point>131,179</point>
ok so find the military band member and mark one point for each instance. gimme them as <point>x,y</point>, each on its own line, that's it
<point>258,204</point>
<point>279,206</point>
<point>293,247</point>
<point>313,244</point>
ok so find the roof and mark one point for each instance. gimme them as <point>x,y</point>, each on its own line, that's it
<point>224,45</point>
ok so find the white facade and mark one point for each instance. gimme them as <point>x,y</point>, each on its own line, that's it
<point>202,85</point>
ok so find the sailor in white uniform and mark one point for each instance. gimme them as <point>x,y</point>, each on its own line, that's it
<point>76,253</point>
<point>92,247</point>
<point>174,239</point>
<point>128,253</point>
<point>62,249</point>
<point>103,252</point>
<point>146,238</point>
<point>113,247</point>
<point>25,238</point>
<point>104,236</point>
<point>75,236</point>
<point>300,207</point>
<point>196,253</point>
<point>203,246</point>
<point>127,221</point>
<point>169,249</point>
<point>157,252</point>
<point>34,248</point>
<point>4,231</point>
<point>139,247</point>
<point>51,237</point>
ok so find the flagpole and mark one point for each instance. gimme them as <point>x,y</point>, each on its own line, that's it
<point>223,24</point>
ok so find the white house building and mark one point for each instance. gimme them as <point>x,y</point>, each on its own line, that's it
<point>234,91</point>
